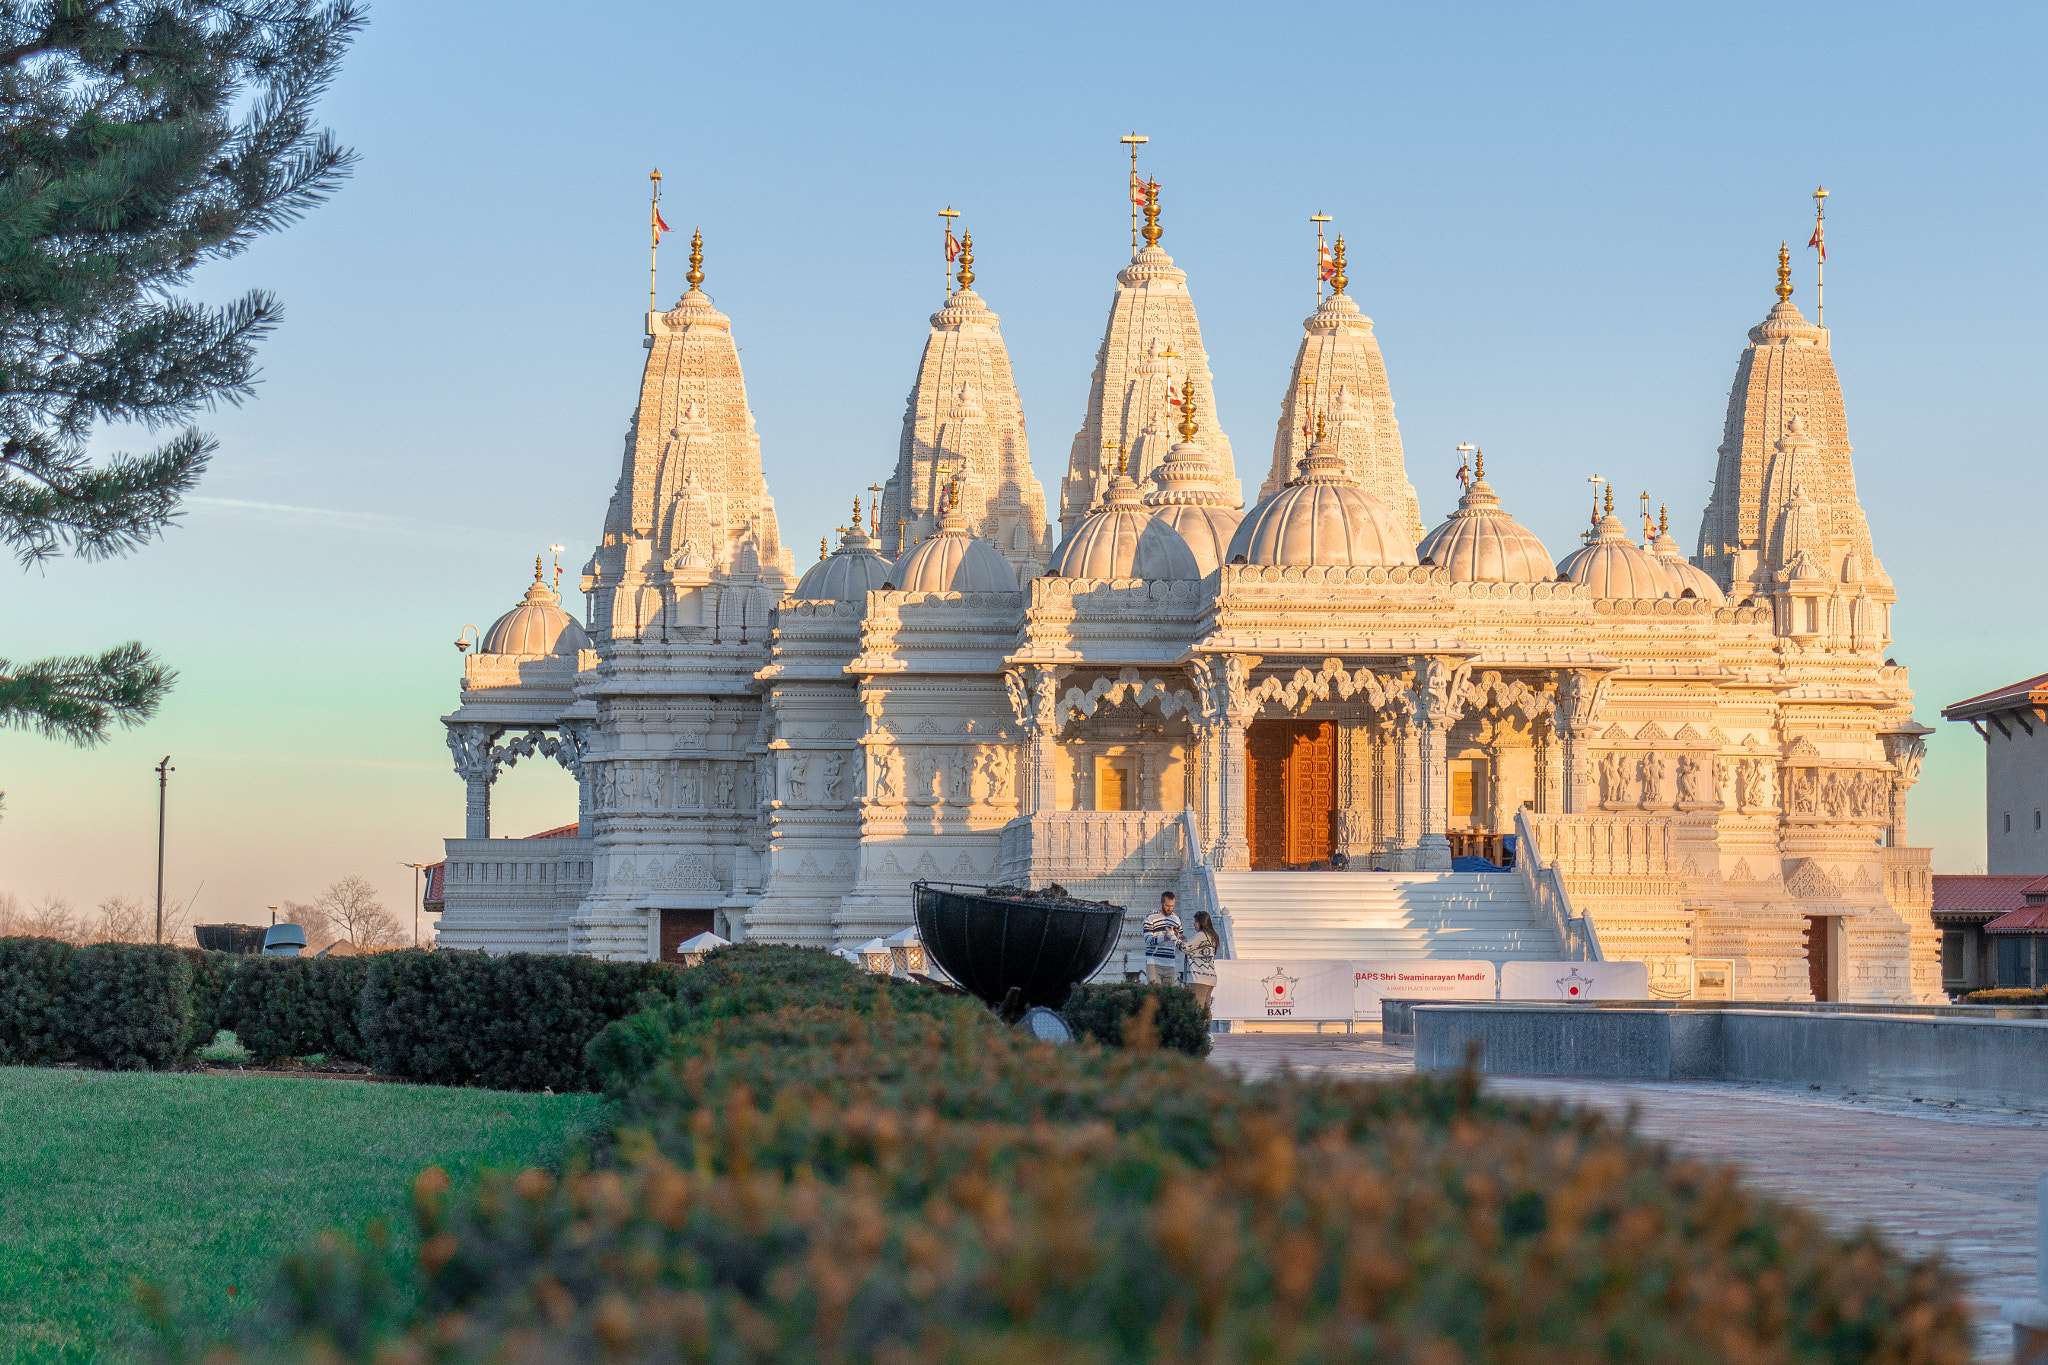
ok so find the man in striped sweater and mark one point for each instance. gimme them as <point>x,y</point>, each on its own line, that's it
<point>1163,942</point>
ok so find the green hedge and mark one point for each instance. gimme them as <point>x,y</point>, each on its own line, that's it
<point>520,1021</point>
<point>295,1006</point>
<point>2007,995</point>
<point>1106,1011</point>
<point>125,1006</point>
<point>863,1183</point>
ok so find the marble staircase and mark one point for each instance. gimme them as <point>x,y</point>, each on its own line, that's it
<point>1387,916</point>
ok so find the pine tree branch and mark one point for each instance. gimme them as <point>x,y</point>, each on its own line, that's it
<point>78,698</point>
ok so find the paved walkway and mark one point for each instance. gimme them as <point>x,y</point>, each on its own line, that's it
<point>1951,1178</point>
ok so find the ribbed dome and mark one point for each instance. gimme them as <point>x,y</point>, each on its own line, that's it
<point>848,574</point>
<point>954,560</point>
<point>1612,565</point>
<point>1481,543</point>
<point>1122,539</point>
<point>1321,518</point>
<point>1683,574</point>
<point>537,626</point>
<point>1192,500</point>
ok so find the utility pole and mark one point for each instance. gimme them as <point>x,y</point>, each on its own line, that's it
<point>163,784</point>
<point>416,902</point>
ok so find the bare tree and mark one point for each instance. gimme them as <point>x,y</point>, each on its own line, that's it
<point>124,919</point>
<point>318,924</point>
<point>51,917</point>
<point>352,907</point>
<point>10,915</point>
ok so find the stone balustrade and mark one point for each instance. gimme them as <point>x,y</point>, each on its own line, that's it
<point>1606,845</point>
<point>513,894</point>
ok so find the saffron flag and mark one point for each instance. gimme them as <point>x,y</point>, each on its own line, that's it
<point>659,226</point>
<point>952,247</point>
<point>1326,264</point>
<point>1819,242</point>
<point>1172,397</point>
<point>1139,196</point>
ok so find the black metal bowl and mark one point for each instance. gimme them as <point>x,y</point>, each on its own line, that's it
<point>990,944</point>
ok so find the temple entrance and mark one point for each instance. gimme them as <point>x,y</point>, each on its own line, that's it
<point>1817,973</point>
<point>1291,787</point>
<point>679,927</point>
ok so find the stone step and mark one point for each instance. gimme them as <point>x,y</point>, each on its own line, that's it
<point>1440,915</point>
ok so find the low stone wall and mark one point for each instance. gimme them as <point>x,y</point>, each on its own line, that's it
<point>1999,1063</point>
<point>1397,1017</point>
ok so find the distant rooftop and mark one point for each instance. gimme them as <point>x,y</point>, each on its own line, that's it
<point>2012,697</point>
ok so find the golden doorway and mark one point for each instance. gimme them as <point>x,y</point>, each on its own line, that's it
<point>1291,788</point>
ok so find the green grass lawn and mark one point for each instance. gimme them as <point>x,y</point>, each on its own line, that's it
<point>201,1183</point>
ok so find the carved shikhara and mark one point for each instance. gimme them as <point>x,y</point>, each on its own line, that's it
<point>1705,770</point>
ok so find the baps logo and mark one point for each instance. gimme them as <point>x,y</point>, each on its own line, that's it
<point>1573,986</point>
<point>1280,993</point>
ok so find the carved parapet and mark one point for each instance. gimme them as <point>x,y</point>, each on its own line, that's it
<point>1909,881</point>
<point>1610,854</point>
<point>1077,847</point>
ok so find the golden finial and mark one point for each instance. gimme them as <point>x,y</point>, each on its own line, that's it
<point>1784,272</point>
<point>1319,428</point>
<point>1478,465</point>
<point>900,524</point>
<point>856,511</point>
<point>696,275</point>
<point>823,552</point>
<point>966,259</point>
<point>1187,410</point>
<point>1338,279</point>
<point>1610,499</point>
<point>1122,462</point>
<point>1663,519</point>
<point>1151,233</point>
<point>538,577</point>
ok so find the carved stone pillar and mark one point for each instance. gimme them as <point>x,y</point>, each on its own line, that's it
<point>470,745</point>
<point>1035,698</point>
<point>1906,751</point>
<point>575,738</point>
<point>1544,744</point>
<point>1578,695</point>
<point>1405,835</point>
<point>1355,831</point>
<point>1225,711</point>
<point>1385,798</point>
<point>1438,698</point>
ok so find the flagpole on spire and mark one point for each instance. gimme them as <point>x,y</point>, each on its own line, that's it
<point>1132,140</point>
<point>655,225</point>
<point>1322,255</point>
<point>1819,242</point>
<point>952,245</point>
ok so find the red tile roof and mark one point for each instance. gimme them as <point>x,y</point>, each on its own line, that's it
<point>2011,697</point>
<point>1979,894</point>
<point>2032,919</point>
<point>558,832</point>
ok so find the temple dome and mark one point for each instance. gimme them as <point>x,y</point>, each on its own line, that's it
<point>1322,518</point>
<point>1481,543</point>
<point>1191,499</point>
<point>537,626</point>
<point>848,574</point>
<point>954,560</point>
<point>1612,565</point>
<point>1122,539</point>
<point>1682,573</point>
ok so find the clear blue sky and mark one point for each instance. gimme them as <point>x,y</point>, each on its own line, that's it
<point>1563,219</point>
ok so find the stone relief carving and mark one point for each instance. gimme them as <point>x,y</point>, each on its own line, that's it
<point>1331,681</point>
<point>997,762</point>
<point>795,784</point>
<point>1692,785</point>
<point>885,775</point>
<point>1613,777</point>
<point>963,775</point>
<point>722,787</point>
<point>1651,770</point>
<point>835,774</point>
<point>1126,686</point>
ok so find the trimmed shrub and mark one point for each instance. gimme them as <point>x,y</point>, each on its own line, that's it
<point>211,973</point>
<point>516,1022</point>
<point>1105,1012</point>
<point>815,1184</point>
<point>121,1005</point>
<point>2007,995</point>
<point>292,1006</point>
<point>32,1000</point>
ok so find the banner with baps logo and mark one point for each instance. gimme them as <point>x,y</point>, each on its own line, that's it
<point>1574,981</point>
<point>1282,989</point>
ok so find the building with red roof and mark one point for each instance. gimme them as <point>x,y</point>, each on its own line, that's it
<point>2013,721</point>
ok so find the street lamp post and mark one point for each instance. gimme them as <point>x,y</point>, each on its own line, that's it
<point>416,902</point>
<point>163,785</point>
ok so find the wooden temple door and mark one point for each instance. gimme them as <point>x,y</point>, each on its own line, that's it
<point>679,927</point>
<point>1291,787</point>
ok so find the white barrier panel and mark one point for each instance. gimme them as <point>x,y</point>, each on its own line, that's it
<point>1282,988</point>
<point>1418,980</point>
<point>1575,981</point>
